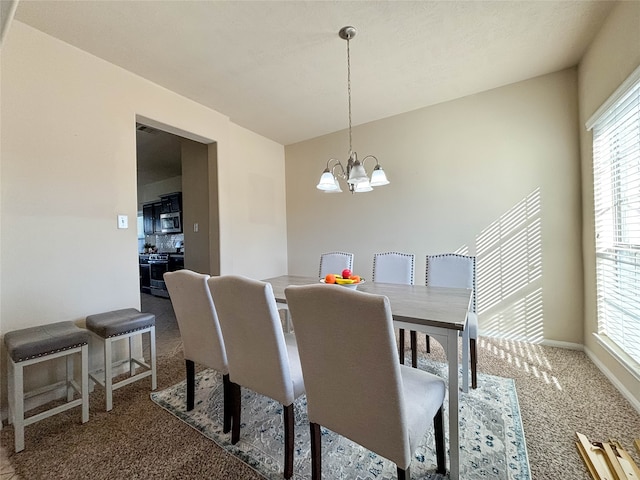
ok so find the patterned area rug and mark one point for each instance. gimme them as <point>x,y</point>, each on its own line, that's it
<point>492,443</point>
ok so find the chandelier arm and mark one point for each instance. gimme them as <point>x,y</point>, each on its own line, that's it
<point>337,163</point>
<point>343,172</point>
<point>370,156</point>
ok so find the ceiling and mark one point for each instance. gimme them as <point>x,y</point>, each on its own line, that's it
<point>158,155</point>
<point>278,68</point>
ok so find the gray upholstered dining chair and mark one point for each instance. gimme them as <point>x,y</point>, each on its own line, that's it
<point>202,341</point>
<point>455,270</point>
<point>395,267</point>
<point>261,356</point>
<point>335,262</point>
<point>355,385</point>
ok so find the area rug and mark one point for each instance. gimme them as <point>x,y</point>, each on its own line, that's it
<point>492,443</point>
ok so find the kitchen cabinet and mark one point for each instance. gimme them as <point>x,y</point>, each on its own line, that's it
<point>151,218</point>
<point>171,203</point>
<point>157,224</point>
<point>147,219</point>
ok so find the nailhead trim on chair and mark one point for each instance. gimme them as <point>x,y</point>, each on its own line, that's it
<point>50,352</point>
<point>394,253</point>
<point>130,331</point>
<point>348,255</point>
<point>473,258</point>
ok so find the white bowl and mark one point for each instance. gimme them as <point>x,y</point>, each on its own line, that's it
<point>352,286</point>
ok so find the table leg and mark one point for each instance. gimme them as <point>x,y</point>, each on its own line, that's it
<point>288,327</point>
<point>454,442</point>
<point>465,360</point>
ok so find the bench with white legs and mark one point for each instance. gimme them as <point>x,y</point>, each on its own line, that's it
<point>117,325</point>
<point>33,345</point>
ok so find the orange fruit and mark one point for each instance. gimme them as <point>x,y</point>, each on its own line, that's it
<point>355,278</point>
<point>330,278</point>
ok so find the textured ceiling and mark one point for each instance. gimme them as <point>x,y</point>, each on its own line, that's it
<point>279,68</point>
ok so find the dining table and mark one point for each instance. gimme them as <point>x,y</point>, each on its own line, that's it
<point>440,312</point>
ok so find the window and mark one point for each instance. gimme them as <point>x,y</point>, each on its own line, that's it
<point>616,175</point>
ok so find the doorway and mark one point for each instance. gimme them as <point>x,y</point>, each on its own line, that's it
<point>171,164</point>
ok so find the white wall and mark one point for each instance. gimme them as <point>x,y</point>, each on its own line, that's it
<point>68,153</point>
<point>494,174</point>
<point>610,59</point>
<point>252,201</point>
<point>151,192</point>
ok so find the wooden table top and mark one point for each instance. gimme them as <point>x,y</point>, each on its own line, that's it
<point>430,306</point>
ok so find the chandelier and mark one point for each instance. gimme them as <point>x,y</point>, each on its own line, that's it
<point>353,173</point>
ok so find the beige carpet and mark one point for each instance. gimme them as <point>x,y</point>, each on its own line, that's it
<point>560,392</point>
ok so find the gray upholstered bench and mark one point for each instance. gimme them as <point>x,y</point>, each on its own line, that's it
<point>33,345</point>
<point>118,325</point>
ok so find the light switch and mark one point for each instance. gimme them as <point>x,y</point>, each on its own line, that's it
<point>195,227</point>
<point>123,221</point>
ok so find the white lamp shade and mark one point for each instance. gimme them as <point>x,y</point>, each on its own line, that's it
<point>327,182</point>
<point>378,178</point>
<point>363,187</point>
<point>337,189</point>
<point>357,174</point>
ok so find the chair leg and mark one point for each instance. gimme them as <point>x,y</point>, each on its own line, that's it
<point>235,421</point>
<point>316,451</point>
<point>228,403</point>
<point>414,349</point>
<point>401,348</point>
<point>474,363</point>
<point>428,344</point>
<point>191,383</point>
<point>152,361</point>
<point>84,387</point>
<point>438,427</point>
<point>70,372</point>
<point>16,387</point>
<point>404,474</point>
<point>108,375</point>
<point>288,440</point>
<point>132,365</point>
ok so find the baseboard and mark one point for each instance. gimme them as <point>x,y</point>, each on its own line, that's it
<point>545,342</point>
<point>611,377</point>
<point>567,345</point>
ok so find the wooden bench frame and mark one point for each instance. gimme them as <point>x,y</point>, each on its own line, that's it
<point>17,395</point>
<point>104,377</point>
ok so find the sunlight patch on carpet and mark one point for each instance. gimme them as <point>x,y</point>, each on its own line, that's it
<point>492,443</point>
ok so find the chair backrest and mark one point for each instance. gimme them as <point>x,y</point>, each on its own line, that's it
<point>200,331</point>
<point>393,267</point>
<point>335,262</point>
<point>350,366</point>
<point>253,336</point>
<point>452,270</point>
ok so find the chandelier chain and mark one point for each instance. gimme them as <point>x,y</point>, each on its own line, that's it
<point>349,92</point>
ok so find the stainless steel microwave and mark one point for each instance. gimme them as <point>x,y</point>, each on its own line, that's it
<point>170,222</point>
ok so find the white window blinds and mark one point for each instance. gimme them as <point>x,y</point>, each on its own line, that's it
<point>616,172</point>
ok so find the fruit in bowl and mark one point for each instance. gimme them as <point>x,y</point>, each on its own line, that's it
<point>346,279</point>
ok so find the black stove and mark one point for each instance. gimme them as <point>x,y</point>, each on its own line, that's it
<point>159,265</point>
